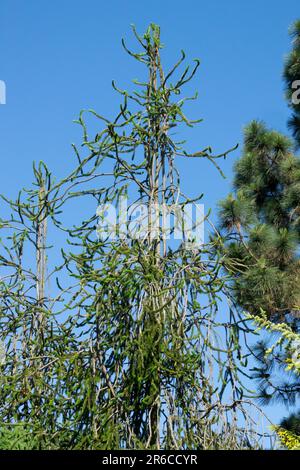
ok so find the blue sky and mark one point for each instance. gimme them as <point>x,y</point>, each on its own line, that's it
<point>59,57</point>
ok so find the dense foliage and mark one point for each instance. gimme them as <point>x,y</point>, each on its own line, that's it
<point>262,226</point>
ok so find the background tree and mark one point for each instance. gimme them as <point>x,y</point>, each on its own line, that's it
<point>292,81</point>
<point>36,342</point>
<point>148,309</point>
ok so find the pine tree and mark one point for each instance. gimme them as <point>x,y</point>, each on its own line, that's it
<point>261,225</point>
<point>132,348</point>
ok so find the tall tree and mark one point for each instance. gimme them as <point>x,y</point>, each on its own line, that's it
<point>135,349</point>
<point>261,225</point>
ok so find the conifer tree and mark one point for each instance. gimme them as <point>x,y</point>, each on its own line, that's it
<point>262,226</point>
<point>261,220</point>
<point>292,81</point>
<point>145,306</point>
<point>132,349</point>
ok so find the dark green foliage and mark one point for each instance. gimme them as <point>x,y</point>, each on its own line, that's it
<point>292,423</point>
<point>262,225</point>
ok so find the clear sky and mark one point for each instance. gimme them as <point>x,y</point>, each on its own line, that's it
<point>60,56</point>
